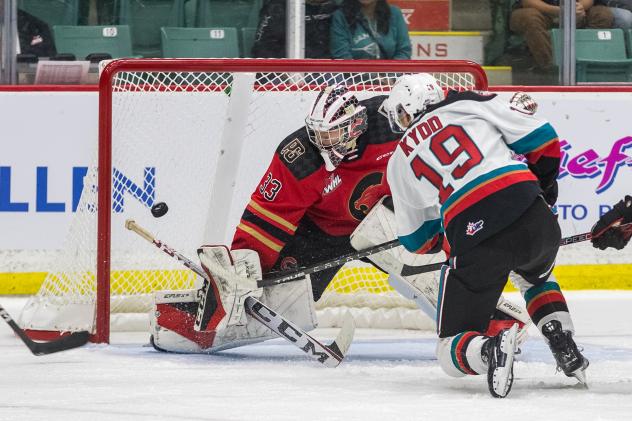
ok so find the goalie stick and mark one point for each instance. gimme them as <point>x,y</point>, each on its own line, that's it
<point>70,341</point>
<point>328,355</point>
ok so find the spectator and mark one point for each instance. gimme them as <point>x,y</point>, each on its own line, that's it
<point>534,18</point>
<point>369,29</point>
<point>35,36</point>
<point>621,11</point>
<point>270,37</point>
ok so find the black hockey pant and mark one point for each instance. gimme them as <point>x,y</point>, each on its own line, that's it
<point>473,282</point>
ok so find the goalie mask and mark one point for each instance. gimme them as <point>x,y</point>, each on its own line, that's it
<point>335,122</point>
<point>409,98</point>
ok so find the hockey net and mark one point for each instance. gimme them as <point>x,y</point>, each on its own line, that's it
<point>198,135</point>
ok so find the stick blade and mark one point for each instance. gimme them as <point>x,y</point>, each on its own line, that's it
<point>411,292</point>
<point>74,340</point>
<point>340,346</point>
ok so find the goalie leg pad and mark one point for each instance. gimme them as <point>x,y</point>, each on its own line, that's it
<point>293,300</point>
<point>506,315</point>
<point>174,315</point>
<point>172,320</point>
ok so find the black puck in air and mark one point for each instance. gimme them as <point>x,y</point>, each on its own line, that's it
<point>159,209</point>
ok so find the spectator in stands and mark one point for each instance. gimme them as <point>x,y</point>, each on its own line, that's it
<point>35,36</point>
<point>369,29</point>
<point>270,36</point>
<point>534,18</point>
<point>621,11</point>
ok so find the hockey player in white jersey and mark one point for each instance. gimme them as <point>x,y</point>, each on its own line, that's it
<point>455,174</point>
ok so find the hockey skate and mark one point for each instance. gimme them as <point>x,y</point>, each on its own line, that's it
<point>568,358</point>
<point>499,352</point>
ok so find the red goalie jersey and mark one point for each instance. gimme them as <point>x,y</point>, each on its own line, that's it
<point>299,201</point>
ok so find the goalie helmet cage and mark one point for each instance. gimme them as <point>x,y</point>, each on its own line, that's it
<point>172,130</point>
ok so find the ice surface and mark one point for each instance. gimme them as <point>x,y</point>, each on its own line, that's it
<point>387,376</point>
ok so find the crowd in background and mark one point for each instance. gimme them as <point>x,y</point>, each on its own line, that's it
<point>375,29</point>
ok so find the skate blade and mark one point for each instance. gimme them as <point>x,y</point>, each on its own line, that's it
<point>580,375</point>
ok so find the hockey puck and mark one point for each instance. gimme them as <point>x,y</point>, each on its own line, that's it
<point>159,209</point>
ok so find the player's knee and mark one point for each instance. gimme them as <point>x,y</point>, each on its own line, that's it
<point>445,358</point>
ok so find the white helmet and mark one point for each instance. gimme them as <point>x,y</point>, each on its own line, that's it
<point>409,97</point>
<point>334,123</point>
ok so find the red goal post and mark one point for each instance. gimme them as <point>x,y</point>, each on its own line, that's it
<point>160,139</point>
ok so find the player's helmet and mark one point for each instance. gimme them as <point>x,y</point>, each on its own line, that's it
<point>409,97</point>
<point>334,123</point>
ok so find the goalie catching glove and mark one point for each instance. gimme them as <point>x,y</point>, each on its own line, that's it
<point>231,277</point>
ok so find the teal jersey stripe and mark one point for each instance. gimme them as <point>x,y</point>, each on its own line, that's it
<point>481,179</point>
<point>425,232</point>
<point>534,140</point>
<point>547,286</point>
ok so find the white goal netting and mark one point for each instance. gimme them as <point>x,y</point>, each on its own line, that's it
<point>199,141</point>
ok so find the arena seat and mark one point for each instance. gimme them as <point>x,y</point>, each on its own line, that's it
<point>227,13</point>
<point>247,40</point>
<point>84,40</point>
<point>145,18</point>
<point>199,42</point>
<point>53,12</point>
<point>600,53</point>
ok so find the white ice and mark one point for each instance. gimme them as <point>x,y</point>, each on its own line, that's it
<point>387,376</point>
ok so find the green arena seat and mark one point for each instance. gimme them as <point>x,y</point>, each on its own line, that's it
<point>84,40</point>
<point>247,40</point>
<point>199,42</point>
<point>190,13</point>
<point>600,53</point>
<point>227,13</point>
<point>53,12</point>
<point>145,18</point>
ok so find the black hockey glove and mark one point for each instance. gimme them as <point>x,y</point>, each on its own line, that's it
<point>607,232</point>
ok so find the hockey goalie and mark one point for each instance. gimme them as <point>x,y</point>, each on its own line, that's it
<point>311,205</point>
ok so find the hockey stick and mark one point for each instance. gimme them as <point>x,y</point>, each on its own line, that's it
<point>73,340</point>
<point>275,278</point>
<point>328,355</point>
<point>588,236</point>
<point>577,238</point>
<point>411,292</point>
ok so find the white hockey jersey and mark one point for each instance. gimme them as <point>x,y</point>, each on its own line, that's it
<point>455,170</point>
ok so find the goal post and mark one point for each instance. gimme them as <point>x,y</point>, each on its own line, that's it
<point>197,134</point>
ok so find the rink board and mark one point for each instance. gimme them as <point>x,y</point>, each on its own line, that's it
<point>38,184</point>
